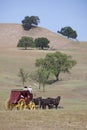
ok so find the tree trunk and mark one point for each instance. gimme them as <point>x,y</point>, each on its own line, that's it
<point>23,83</point>
<point>25,48</point>
<point>57,76</point>
<point>43,87</point>
<point>42,47</point>
<point>39,85</point>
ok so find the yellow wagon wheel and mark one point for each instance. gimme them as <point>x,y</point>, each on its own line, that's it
<point>8,106</point>
<point>31,105</point>
<point>21,104</point>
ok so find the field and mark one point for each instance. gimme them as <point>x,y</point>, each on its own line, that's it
<point>72,111</point>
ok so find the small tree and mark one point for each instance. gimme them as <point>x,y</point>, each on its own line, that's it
<point>42,42</point>
<point>69,32</point>
<point>42,75</point>
<point>25,42</point>
<point>30,21</point>
<point>23,76</point>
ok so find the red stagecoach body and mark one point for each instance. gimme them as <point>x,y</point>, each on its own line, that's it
<point>20,98</point>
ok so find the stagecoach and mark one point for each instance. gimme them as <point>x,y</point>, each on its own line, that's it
<point>20,99</point>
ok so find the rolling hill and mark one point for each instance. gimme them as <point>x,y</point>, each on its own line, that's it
<point>11,33</point>
<point>11,59</point>
<point>72,113</point>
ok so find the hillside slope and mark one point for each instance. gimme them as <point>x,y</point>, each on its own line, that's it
<point>11,33</point>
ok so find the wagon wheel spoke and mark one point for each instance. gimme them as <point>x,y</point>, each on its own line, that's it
<point>31,105</point>
<point>9,106</point>
<point>21,104</point>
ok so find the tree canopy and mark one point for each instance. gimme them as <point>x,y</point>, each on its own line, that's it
<point>42,42</point>
<point>68,32</point>
<point>25,42</point>
<point>56,63</point>
<point>30,21</point>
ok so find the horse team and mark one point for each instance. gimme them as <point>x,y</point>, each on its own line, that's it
<point>47,102</point>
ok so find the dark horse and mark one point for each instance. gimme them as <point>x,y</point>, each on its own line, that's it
<point>37,101</point>
<point>50,102</point>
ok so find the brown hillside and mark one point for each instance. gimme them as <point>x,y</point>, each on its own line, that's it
<point>11,33</point>
<point>72,87</point>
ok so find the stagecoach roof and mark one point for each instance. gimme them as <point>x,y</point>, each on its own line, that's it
<point>16,94</point>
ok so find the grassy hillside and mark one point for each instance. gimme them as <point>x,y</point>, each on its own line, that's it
<point>72,87</point>
<point>11,33</point>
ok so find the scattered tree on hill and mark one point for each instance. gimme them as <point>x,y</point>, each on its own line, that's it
<point>30,21</point>
<point>42,77</point>
<point>42,43</point>
<point>56,63</point>
<point>25,42</point>
<point>23,75</point>
<point>68,32</point>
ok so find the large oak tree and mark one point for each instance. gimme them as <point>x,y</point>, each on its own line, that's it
<point>42,42</point>
<point>30,21</point>
<point>56,63</point>
<point>25,42</point>
<point>68,32</point>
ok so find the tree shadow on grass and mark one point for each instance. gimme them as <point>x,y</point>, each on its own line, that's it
<point>20,48</point>
<point>51,81</point>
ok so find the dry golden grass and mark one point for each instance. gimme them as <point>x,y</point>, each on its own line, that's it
<point>43,119</point>
<point>72,114</point>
